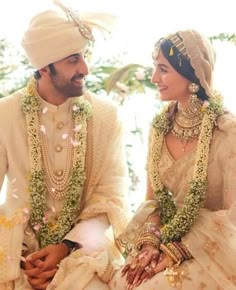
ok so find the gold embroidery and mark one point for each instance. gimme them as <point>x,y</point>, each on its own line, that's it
<point>15,219</point>
<point>219,225</point>
<point>176,274</point>
<point>108,273</point>
<point>202,286</point>
<point>233,279</point>
<point>211,247</point>
<point>2,255</point>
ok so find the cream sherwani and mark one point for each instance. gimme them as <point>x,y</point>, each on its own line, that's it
<point>103,200</point>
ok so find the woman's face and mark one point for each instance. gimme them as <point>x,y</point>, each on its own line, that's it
<point>171,85</point>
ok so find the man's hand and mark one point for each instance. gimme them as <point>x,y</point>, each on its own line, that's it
<point>40,267</point>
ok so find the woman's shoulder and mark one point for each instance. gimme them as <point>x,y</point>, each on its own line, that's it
<point>227,123</point>
<point>224,137</point>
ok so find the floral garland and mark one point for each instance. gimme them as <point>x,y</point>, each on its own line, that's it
<point>46,232</point>
<point>177,222</point>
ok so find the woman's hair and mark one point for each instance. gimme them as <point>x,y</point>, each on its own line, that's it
<point>180,62</point>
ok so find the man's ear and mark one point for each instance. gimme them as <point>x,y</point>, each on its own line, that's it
<point>44,71</point>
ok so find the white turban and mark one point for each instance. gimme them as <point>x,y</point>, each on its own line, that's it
<point>52,36</point>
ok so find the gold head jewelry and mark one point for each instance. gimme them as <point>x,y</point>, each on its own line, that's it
<point>178,43</point>
<point>73,16</point>
<point>84,29</point>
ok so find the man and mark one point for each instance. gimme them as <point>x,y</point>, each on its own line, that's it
<point>63,154</point>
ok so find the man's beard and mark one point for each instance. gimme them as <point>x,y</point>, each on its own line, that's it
<point>66,86</point>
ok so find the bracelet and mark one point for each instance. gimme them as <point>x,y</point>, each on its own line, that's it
<point>186,251</point>
<point>169,253</point>
<point>176,252</point>
<point>149,239</point>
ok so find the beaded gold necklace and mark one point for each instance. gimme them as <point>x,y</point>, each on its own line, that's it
<point>177,222</point>
<point>187,122</point>
<point>53,233</point>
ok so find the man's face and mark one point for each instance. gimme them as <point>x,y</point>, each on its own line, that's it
<point>67,75</point>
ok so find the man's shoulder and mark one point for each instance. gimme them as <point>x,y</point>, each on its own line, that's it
<point>11,100</point>
<point>103,107</point>
<point>10,104</point>
<point>99,100</point>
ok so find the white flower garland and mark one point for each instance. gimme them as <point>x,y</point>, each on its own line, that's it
<point>177,222</point>
<point>53,233</point>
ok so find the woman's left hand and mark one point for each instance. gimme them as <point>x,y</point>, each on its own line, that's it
<point>155,266</point>
<point>135,271</point>
<point>163,263</point>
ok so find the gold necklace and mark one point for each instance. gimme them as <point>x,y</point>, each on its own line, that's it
<point>187,122</point>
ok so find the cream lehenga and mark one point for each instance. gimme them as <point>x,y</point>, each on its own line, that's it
<point>201,210</point>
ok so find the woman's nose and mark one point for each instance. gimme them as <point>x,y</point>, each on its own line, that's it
<point>155,77</point>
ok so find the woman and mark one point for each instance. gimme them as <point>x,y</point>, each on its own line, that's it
<point>184,235</point>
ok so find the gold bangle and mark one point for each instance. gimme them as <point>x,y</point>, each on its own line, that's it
<point>147,239</point>
<point>181,250</point>
<point>176,252</point>
<point>169,253</point>
<point>186,250</point>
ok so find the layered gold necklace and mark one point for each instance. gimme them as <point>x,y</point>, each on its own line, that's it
<point>187,122</point>
<point>57,181</point>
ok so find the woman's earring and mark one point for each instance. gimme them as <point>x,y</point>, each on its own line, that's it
<point>193,88</point>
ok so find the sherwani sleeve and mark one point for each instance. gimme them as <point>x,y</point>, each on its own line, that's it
<point>106,205</point>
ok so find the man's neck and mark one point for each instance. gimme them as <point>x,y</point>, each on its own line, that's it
<point>49,94</point>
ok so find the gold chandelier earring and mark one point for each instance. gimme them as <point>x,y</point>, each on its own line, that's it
<point>187,122</point>
<point>193,88</point>
<point>195,103</point>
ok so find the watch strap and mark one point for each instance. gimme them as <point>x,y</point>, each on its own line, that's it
<point>72,246</point>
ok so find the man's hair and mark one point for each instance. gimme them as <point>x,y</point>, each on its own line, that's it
<point>52,70</point>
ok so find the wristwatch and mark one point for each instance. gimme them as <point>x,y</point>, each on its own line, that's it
<point>72,246</point>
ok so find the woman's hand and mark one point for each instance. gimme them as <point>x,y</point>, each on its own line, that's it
<point>163,263</point>
<point>135,270</point>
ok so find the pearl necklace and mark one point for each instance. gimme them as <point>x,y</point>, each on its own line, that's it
<point>57,181</point>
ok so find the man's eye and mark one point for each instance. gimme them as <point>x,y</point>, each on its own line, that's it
<point>74,59</point>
